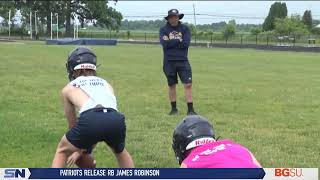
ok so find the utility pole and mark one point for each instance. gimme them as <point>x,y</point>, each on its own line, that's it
<point>51,26</point>
<point>30,24</point>
<point>57,15</point>
<point>9,22</point>
<point>35,23</point>
<point>74,26</point>
<point>195,23</point>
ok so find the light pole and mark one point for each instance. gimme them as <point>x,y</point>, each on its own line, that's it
<point>57,15</point>
<point>35,23</point>
<point>9,23</point>
<point>51,25</point>
<point>31,25</point>
<point>74,27</point>
<point>195,23</point>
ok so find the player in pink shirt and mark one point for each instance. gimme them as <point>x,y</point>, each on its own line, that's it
<point>195,146</point>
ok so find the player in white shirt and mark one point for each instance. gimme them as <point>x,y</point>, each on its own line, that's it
<point>99,119</point>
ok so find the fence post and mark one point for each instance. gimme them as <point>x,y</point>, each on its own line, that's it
<point>211,39</point>
<point>256,39</point>
<point>110,34</point>
<point>145,38</point>
<point>241,39</point>
<point>267,40</point>
<point>226,40</point>
<point>294,40</point>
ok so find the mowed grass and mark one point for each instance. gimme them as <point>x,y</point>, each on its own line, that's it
<point>267,101</point>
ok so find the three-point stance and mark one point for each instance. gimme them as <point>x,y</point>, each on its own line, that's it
<point>98,119</point>
<point>195,146</point>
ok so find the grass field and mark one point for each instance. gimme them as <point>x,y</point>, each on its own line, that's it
<point>267,101</point>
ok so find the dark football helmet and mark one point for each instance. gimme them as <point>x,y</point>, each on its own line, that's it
<point>80,58</point>
<point>191,132</point>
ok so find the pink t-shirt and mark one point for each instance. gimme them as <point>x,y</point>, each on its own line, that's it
<point>220,154</point>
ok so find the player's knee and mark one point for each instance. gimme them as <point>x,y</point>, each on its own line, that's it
<point>172,85</point>
<point>188,86</point>
<point>86,161</point>
<point>121,155</point>
<point>63,150</point>
<point>64,146</point>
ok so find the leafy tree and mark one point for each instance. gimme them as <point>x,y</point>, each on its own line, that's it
<point>255,31</point>
<point>5,7</point>
<point>97,12</point>
<point>289,26</point>
<point>193,29</point>
<point>277,10</point>
<point>229,30</point>
<point>307,19</point>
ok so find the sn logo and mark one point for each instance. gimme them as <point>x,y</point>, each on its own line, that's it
<point>16,173</point>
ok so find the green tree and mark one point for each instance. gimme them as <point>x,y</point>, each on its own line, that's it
<point>5,7</point>
<point>233,22</point>
<point>307,19</point>
<point>255,31</point>
<point>229,29</point>
<point>97,12</point>
<point>290,26</point>
<point>43,10</point>
<point>277,10</point>
<point>193,29</point>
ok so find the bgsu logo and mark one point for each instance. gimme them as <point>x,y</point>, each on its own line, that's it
<point>286,172</point>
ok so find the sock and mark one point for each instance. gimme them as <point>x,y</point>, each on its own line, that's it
<point>190,107</point>
<point>174,105</point>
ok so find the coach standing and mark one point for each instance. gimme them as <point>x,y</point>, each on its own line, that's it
<point>175,39</point>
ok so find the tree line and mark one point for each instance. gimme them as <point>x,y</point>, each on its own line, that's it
<point>96,12</point>
<point>101,15</point>
<point>155,25</point>
<point>277,22</point>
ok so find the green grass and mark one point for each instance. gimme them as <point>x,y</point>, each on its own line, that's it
<point>267,101</point>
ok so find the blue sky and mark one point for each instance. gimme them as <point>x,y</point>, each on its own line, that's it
<point>252,12</point>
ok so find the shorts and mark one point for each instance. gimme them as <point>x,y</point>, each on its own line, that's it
<point>96,125</point>
<point>174,68</point>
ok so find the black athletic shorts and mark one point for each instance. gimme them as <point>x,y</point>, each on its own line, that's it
<point>173,68</point>
<point>99,124</point>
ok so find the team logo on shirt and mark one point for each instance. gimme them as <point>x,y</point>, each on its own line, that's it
<point>213,150</point>
<point>175,35</point>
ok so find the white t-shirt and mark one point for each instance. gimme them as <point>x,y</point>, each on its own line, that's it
<point>98,91</point>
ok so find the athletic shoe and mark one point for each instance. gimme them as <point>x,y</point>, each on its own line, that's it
<point>173,111</point>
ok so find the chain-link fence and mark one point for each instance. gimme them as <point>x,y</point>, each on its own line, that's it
<point>307,40</point>
<point>23,32</point>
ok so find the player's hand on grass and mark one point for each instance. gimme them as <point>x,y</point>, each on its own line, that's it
<point>73,158</point>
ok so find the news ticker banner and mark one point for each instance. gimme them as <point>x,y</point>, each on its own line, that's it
<point>162,173</point>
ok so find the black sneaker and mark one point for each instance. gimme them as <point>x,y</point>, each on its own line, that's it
<point>173,111</point>
<point>189,113</point>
